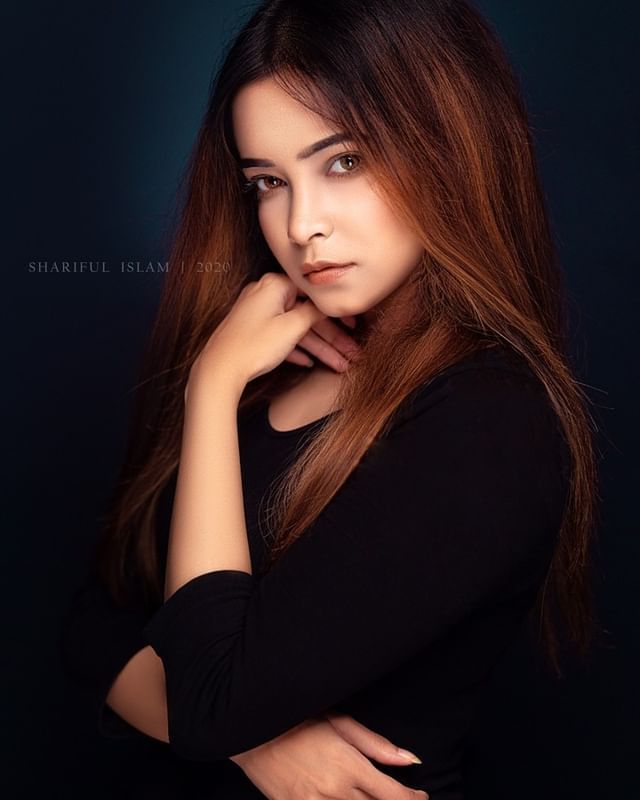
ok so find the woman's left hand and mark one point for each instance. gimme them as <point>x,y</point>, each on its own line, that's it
<point>265,324</point>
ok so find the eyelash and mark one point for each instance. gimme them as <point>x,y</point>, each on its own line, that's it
<point>251,184</point>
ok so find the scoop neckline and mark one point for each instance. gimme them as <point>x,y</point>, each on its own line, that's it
<point>292,431</point>
<point>490,356</point>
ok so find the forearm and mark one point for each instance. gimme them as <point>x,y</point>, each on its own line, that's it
<point>138,694</point>
<point>208,528</point>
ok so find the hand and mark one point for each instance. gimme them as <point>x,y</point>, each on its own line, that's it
<point>329,343</point>
<point>293,766</point>
<point>264,327</point>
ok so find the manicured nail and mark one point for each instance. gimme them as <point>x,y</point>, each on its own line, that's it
<point>409,756</point>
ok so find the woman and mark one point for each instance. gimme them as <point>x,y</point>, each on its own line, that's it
<point>347,548</point>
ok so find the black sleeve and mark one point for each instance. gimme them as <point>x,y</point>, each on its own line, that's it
<point>457,508</point>
<point>97,638</point>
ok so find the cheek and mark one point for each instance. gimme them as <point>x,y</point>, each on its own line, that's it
<point>393,241</point>
<point>378,216</point>
<point>272,228</point>
<point>372,211</point>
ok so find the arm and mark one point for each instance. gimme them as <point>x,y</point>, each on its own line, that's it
<point>100,645</point>
<point>293,763</point>
<point>455,510</point>
<point>104,653</point>
<point>100,641</point>
<point>138,695</point>
<point>208,528</point>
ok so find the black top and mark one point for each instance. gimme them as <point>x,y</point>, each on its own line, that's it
<point>393,606</point>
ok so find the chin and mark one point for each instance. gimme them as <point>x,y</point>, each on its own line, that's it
<point>333,307</point>
<point>340,312</point>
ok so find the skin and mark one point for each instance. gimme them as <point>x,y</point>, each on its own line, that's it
<point>208,528</point>
<point>324,206</point>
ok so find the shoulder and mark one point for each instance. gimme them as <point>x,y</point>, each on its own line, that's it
<point>497,379</point>
<point>478,464</point>
<point>490,411</point>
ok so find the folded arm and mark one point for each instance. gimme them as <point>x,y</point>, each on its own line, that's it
<point>457,509</point>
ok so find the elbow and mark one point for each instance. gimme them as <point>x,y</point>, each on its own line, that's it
<point>214,731</point>
<point>202,736</point>
<point>191,742</point>
<point>192,748</point>
<point>205,745</point>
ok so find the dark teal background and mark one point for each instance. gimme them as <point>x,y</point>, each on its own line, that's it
<point>102,103</point>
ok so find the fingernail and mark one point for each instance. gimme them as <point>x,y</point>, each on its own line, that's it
<point>409,756</point>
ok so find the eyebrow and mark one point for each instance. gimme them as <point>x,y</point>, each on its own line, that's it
<point>306,153</point>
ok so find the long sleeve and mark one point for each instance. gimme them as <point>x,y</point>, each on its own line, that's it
<point>455,511</point>
<point>97,638</point>
<point>97,641</point>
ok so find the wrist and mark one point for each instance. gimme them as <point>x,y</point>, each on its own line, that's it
<point>214,383</point>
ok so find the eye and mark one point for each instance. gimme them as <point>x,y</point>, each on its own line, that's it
<point>253,184</point>
<point>351,160</point>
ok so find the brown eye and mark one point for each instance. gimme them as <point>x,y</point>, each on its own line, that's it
<point>266,179</point>
<point>350,162</point>
<point>253,184</point>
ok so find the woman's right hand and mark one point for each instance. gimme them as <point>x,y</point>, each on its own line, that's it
<point>327,759</point>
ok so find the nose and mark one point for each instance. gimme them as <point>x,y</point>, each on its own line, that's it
<point>308,217</point>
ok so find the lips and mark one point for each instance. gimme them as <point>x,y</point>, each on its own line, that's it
<point>327,275</point>
<point>318,266</point>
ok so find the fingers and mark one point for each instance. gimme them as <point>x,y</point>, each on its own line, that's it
<point>306,314</point>
<point>383,787</point>
<point>336,337</point>
<point>321,336</point>
<point>370,743</point>
<point>324,351</point>
<point>330,344</point>
<point>299,357</point>
<point>359,794</point>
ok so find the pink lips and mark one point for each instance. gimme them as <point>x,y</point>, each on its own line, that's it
<point>327,275</point>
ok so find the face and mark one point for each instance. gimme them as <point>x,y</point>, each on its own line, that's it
<point>318,202</point>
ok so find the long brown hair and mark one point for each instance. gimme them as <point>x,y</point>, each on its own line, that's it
<point>427,95</point>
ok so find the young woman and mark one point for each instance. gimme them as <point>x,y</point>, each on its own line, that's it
<point>306,562</point>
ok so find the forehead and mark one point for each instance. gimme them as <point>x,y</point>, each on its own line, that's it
<point>269,123</point>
